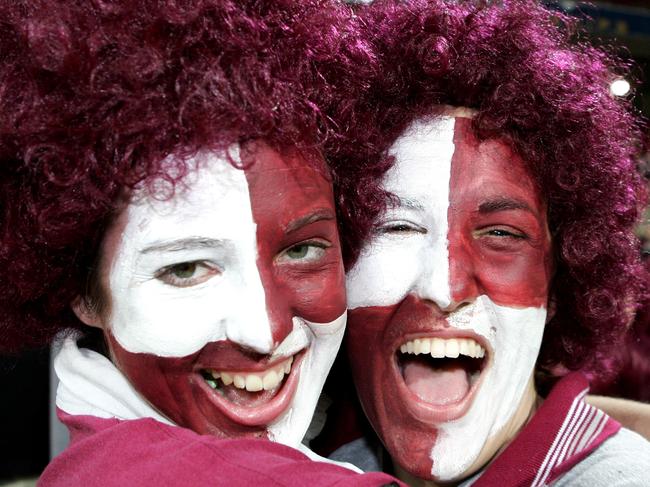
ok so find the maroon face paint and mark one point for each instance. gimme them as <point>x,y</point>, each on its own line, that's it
<point>498,238</point>
<point>447,300</point>
<point>298,262</point>
<point>293,207</point>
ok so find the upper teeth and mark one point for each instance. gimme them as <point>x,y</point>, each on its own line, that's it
<point>444,347</point>
<point>253,381</point>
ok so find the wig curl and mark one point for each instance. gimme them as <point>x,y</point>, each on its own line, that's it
<point>531,83</point>
<point>96,95</point>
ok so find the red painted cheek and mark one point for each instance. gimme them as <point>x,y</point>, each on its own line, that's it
<point>371,337</point>
<point>511,272</point>
<point>170,385</point>
<point>282,190</point>
<point>367,354</point>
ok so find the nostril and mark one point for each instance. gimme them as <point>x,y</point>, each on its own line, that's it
<point>456,306</point>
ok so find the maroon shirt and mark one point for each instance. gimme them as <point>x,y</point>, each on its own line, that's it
<point>142,452</point>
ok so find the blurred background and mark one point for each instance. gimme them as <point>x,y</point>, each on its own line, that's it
<point>25,440</point>
<point>622,26</point>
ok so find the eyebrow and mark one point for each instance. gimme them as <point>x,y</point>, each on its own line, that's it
<point>409,203</point>
<point>316,216</point>
<point>503,204</point>
<point>191,243</point>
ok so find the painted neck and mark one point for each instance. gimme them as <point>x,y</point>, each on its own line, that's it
<point>529,404</point>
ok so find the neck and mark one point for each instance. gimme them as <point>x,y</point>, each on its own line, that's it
<point>530,402</point>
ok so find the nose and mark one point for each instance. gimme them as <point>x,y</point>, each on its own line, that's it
<point>433,280</point>
<point>259,319</point>
<point>447,276</point>
<point>463,281</point>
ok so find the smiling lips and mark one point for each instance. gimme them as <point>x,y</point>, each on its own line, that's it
<point>442,374</point>
<point>253,398</point>
<point>253,381</point>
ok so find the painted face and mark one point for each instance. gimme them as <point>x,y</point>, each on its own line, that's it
<point>448,300</point>
<point>227,301</point>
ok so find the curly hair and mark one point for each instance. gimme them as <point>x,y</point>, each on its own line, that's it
<point>522,68</point>
<point>95,95</point>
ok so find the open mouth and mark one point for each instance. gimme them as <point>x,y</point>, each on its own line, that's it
<point>442,372</point>
<point>253,397</point>
<point>249,388</point>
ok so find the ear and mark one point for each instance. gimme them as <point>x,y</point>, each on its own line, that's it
<point>85,312</point>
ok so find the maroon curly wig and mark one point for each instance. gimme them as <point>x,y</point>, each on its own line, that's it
<point>520,67</point>
<point>94,95</point>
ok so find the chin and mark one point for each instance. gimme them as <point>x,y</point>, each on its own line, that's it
<point>436,411</point>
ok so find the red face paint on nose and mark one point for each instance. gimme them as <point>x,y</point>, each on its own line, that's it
<point>299,258</point>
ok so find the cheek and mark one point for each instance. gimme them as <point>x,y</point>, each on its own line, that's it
<point>363,344</point>
<point>517,276</point>
<point>514,280</point>
<point>319,298</point>
<point>365,336</point>
<point>316,294</point>
<point>162,381</point>
<point>169,322</point>
<point>385,272</point>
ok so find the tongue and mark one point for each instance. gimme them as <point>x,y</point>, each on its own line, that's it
<point>440,386</point>
<point>243,397</point>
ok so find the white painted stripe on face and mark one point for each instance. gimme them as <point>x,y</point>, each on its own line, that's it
<point>323,341</point>
<point>396,263</point>
<point>211,205</point>
<point>514,335</point>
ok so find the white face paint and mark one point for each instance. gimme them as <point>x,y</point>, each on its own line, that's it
<point>211,223</point>
<point>326,338</point>
<point>209,294</point>
<point>390,266</point>
<point>515,336</point>
<point>458,242</point>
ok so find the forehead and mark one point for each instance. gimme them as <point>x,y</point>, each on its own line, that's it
<point>426,153</point>
<point>211,199</point>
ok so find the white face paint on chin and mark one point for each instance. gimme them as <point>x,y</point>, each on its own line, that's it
<point>515,336</point>
<point>228,279</point>
<point>464,254</point>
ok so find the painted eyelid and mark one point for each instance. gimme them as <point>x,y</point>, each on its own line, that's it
<point>510,231</point>
<point>385,226</point>
<point>212,270</point>
<point>320,244</point>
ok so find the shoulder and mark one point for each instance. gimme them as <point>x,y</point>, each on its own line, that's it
<point>622,460</point>
<point>146,452</point>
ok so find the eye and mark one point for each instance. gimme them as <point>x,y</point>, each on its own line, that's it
<point>501,238</point>
<point>187,274</point>
<point>502,232</point>
<point>304,252</point>
<point>399,227</point>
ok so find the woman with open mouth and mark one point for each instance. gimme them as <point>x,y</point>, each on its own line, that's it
<point>506,258</point>
<point>164,194</point>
